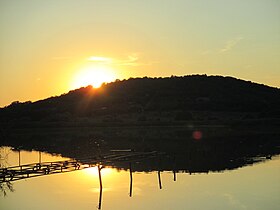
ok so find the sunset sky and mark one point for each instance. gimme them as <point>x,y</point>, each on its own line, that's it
<point>49,47</point>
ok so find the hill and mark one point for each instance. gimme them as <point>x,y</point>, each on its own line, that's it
<point>196,98</point>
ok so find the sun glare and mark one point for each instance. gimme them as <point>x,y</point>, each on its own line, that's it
<point>94,75</point>
<point>93,171</point>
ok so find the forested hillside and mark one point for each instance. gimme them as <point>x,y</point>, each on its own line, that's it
<point>173,99</point>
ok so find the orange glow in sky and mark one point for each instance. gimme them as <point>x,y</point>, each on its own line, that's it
<point>50,48</point>
<point>94,73</point>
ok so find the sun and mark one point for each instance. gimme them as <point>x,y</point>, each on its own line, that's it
<point>94,75</point>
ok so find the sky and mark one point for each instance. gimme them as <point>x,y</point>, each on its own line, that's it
<point>50,47</point>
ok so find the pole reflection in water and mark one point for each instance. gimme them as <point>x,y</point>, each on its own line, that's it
<point>6,187</point>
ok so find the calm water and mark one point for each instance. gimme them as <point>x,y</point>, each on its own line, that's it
<point>250,187</point>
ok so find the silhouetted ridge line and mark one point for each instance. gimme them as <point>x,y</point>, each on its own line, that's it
<point>172,99</point>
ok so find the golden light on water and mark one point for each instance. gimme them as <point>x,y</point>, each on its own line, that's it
<point>96,72</point>
<point>93,171</point>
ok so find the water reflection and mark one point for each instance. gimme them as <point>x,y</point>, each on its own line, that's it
<point>133,161</point>
<point>138,157</point>
<point>4,154</point>
<point>105,176</point>
<point>217,149</point>
<point>6,187</point>
<point>10,174</point>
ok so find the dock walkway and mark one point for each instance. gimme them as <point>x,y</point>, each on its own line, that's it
<point>19,172</point>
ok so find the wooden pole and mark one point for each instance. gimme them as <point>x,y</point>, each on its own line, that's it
<point>130,187</point>
<point>40,157</point>
<point>19,157</point>
<point>174,176</point>
<point>100,187</point>
<point>159,180</point>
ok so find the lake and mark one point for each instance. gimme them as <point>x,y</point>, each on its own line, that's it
<point>149,167</point>
<point>253,186</point>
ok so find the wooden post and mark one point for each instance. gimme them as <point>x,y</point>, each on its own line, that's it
<point>130,187</point>
<point>174,176</point>
<point>19,157</point>
<point>100,186</point>
<point>159,180</point>
<point>174,168</point>
<point>40,157</point>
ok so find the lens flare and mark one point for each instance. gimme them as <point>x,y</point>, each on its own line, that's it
<point>197,135</point>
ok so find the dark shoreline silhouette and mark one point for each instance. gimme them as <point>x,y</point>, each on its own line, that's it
<point>197,123</point>
<point>198,99</point>
<point>217,149</point>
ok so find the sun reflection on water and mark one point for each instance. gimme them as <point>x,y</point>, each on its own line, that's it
<point>93,171</point>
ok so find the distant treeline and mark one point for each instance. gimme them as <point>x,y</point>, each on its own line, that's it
<point>219,148</point>
<point>187,98</point>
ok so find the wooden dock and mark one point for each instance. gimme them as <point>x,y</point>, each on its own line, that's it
<point>26,171</point>
<point>38,169</point>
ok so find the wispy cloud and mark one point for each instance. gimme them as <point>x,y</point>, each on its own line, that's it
<point>99,59</point>
<point>130,60</point>
<point>230,44</point>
